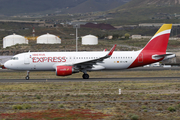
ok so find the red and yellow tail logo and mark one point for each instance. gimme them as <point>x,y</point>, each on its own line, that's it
<point>160,40</point>
<point>156,46</point>
<point>164,28</point>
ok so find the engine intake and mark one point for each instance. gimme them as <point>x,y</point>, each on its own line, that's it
<point>65,70</point>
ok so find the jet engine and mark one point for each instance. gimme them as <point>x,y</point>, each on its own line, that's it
<point>65,70</point>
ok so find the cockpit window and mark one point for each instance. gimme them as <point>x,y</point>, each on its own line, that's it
<point>14,58</point>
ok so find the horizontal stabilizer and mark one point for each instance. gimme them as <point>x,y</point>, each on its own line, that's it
<point>165,56</point>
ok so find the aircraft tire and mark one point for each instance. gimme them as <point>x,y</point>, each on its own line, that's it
<point>85,76</point>
<point>27,77</point>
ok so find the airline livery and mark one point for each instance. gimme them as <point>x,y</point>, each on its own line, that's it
<point>67,63</point>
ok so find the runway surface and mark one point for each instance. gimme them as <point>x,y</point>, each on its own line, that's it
<point>92,79</point>
<point>101,79</point>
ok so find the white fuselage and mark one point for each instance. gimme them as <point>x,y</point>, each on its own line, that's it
<point>40,61</point>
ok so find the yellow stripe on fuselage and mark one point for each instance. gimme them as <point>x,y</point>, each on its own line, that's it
<point>164,27</point>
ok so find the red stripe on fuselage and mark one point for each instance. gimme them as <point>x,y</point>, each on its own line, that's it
<point>145,58</point>
<point>156,46</point>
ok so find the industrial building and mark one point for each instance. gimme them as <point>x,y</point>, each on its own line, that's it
<point>48,39</point>
<point>13,40</point>
<point>89,40</point>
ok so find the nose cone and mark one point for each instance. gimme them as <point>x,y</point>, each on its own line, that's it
<point>7,64</point>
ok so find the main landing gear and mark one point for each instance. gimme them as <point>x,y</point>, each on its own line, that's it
<point>27,77</point>
<point>85,76</point>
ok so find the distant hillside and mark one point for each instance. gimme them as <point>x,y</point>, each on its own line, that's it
<point>101,26</point>
<point>136,3</point>
<point>96,5</point>
<point>137,11</point>
<point>14,7</point>
<point>11,7</point>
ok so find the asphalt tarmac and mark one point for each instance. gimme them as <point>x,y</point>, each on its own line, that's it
<point>101,79</point>
<point>132,69</point>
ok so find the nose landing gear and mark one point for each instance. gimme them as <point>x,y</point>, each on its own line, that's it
<point>27,77</point>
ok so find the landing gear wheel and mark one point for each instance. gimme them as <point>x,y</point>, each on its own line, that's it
<point>27,77</point>
<point>85,76</point>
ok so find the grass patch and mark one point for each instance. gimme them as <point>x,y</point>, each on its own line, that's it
<point>172,109</point>
<point>138,97</point>
<point>21,107</point>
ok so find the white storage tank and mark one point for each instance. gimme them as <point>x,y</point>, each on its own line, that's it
<point>13,40</point>
<point>48,39</point>
<point>89,40</point>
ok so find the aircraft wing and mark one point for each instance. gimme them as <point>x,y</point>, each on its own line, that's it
<point>100,59</point>
<point>89,63</point>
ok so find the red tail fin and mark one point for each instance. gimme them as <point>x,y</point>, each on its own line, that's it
<point>156,46</point>
<point>159,41</point>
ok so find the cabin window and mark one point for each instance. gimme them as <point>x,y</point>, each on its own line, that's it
<point>14,58</point>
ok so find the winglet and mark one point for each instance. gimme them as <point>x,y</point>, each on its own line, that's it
<point>112,50</point>
<point>105,50</point>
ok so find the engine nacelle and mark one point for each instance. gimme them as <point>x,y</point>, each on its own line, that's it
<point>65,70</point>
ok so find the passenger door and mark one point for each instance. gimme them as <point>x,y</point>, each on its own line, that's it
<point>26,59</point>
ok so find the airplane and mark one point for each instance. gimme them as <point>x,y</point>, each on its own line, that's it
<point>68,63</point>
